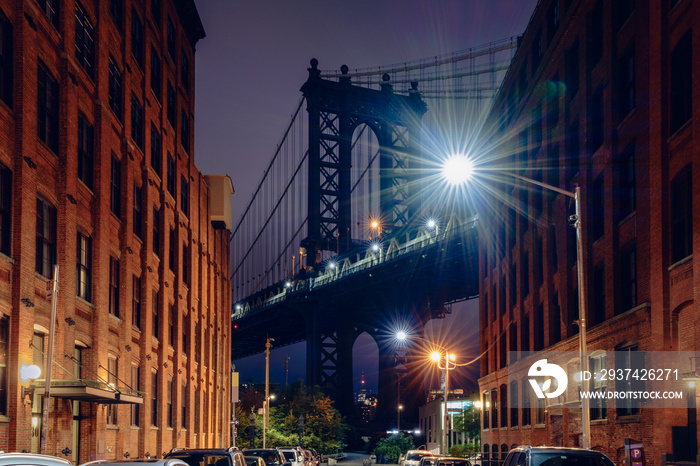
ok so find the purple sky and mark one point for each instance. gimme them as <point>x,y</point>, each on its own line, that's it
<point>252,63</point>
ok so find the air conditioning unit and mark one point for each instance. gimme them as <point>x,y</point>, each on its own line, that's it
<point>220,192</point>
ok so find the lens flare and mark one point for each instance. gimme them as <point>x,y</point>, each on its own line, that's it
<point>458,169</point>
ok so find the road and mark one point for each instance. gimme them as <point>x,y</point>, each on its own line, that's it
<point>355,459</point>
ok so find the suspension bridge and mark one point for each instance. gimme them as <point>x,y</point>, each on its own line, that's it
<point>347,228</point>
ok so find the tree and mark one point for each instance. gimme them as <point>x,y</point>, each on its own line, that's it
<point>393,447</point>
<point>469,422</point>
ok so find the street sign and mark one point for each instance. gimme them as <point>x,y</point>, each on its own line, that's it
<point>454,410</point>
<point>235,432</point>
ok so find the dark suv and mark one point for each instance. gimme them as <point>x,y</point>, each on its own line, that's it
<point>555,456</point>
<point>271,456</point>
<point>231,456</point>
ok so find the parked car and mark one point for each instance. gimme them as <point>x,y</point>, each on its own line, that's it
<point>450,461</point>
<point>271,456</point>
<point>309,459</point>
<point>293,455</point>
<point>32,459</point>
<point>427,461</point>
<point>254,461</point>
<point>231,456</point>
<point>555,456</point>
<point>316,456</point>
<point>413,457</point>
<point>138,462</point>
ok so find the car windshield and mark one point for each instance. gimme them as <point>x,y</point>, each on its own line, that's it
<point>202,459</point>
<point>251,460</point>
<point>563,459</point>
<point>415,456</point>
<point>452,463</point>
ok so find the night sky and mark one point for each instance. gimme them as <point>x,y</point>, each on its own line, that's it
<point>249,70</point>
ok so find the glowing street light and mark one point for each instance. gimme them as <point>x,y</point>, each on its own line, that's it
<point>401,335</point>
<point>449,359</point>
<point>458,169</point>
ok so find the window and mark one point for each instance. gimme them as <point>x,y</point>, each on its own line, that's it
<point>522,80</point>
<point>555,321</point>
<point>486,404</point>
<point>170,401</point>
<point>155,12</point>
<point>539,261</point>
<point>185,71</point>
<point>597,384</point>
<point>113,286</point>
<point>84,40</point>
<point>594,35</point>
<point>504,405</point>
<point>572,68</point>
<point>185,332</point>
<point>45,238</point>
<point>171,38</point>
<point>186,263</point>
<point>156,318</point>
<point>625,78</point>
<point>513,343</point>
<point>86,153</point>
<point>137,38</point>
<point>50,9</point>
<point>116,8</point>
<point>198,337</point>
<point>171,174</point>
<point>184,195</point>
<point>156,231</point>
<point>502,352</point>
<point>6,62</point>
<point>4,352</point>
<point>172,250</point>
<point>598,292</point>
<point>596,120</point>
<point>525,275</point>
<point>512,292</point>
<point>526,402</point>
<point>681,82</point>
<point>184,131</point>
<point>115,198</point>
<point>171,105</point>
<point>628,357</point>
<point>156,85</point>
<point>5,209</point>
<point>537,50</point>
<point>136,385</point>
<point>137,122</point>
<point>513,403</point>
<point>156,151</point>
<point>183,405</point>
<point>112,374</point>
<point>525,333</point>
<point>115,88</point>
<point>84,262</point>
<point>524,221</point>
<point>196,410</point>
<point>136,302</point>
<point>539,411</point>
<point>154,398</point>
<point>628,277</point>
<point>552,20</point>
<point>553,256</point>
<point>171,324</point>
<point>138,218</point>
<point>622,10</point>
<point>596,203</point>
<point>573,149</point>
<point>47,108</point>
<point>538,327</point>
<point>682,215</point>
<point>627,194</point>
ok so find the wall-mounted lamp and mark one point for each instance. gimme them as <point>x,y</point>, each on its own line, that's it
<point>27,374</point>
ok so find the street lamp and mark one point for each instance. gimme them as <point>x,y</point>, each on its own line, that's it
<point>398,418</point>
<point>266,403</point>
<point>450,364</point>
<point>458,170</point>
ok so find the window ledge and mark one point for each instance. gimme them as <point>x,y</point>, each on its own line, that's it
<point>680,262</point>
<point>135,428</point>
<point>628,419</point>
<point>595,422</point>
<point>627,218</point>
<point>4,418</point>
<point>114,318</point>
<point>112,427</point>
<point>679,131</point>
<point>540,426</point>
<point>87,303</point>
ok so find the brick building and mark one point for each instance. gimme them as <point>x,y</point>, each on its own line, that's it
<point>97,176</point>
<point>599,94</point>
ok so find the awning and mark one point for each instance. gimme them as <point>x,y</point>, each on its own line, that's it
<point>90,391</point>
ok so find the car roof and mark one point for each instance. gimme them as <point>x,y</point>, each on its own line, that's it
<point>31,458</point>
<point>544,449</point>
<point>138,462</point>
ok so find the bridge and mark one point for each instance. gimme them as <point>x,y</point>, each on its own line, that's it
<point>351,226</point>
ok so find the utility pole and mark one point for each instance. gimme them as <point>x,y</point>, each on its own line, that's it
<point>49,363</point>
<point>266,403</point>
<point>286,370</point>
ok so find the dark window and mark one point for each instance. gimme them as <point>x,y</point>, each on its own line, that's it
<point>86,144</point>
<point>525,333</point>
<point>596,205</point>
<point>5,209</point>
<point>486,403</point>
<point>171,39</point>
<point>628,277</point>
<point>155,12</point>
<point>539,261</point>
<point>50,9</point>
<point>196,408</point>
<point>514,403</point>
<point>596,121</point>
<point>536,124</point>
<point>84,40</point>
<point>598,294</point>
<point>156,78</point>
<point>171,105</point>
<point>494,409</point>
<point>156,231</point>
<point>198,337</point>
<point>522,80</point>
<point>573,149</point>
<point>511,227</point>
<point>622,10</point>
<point>513,343</point>
<point>552,20</point>
<point>184,131</point>
<point>555,321</point>
<point>185,70</point>
<point>170,401</point>
<point>185,332</point>
<point>628,357</point>
<point>626,91</point>
<point>136,302</point>
<point>502,353</point>
<point>171,174</point>
<point>171,324</point>
<point>136,385</point>
<point>553,103</point>
<point>116,8</point>
<point>4,353</point>
<point>525,275</point>
<point>112,379</point>
<point>512,282</point>
<point>186,263</point>
<point>539,411</point>
<point>137,38</point>
<point>47,108</point>
<point>526,402</point>
<point>45,238</point>
<point>172,250</point>
<point>537,51</point>
<point>502,296</point>
<point>83,266</point>
<point>524,221</point>
<point>594,35</point>
<point>538,327</point>
<point>138,216</point>
<point>137,122</point>
<point>627,194</point>
<point>115,88</point>
<point>6,62</point>
<point>183,405</point>
<point>597,365</point>
<point>115,186</point>
<point>682,215</point>
<point>114,286</point>
<point>504,405</point>
<point>156,151</point>
<point>681,82</point>
<point>572,68</point>
<point>184,195</point>
<point>156,313</point>
<point>553,257</point>
<point>154,398</point>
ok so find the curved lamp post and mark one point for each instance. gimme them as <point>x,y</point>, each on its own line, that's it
<point>449,364</point>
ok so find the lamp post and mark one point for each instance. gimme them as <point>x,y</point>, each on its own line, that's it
<point>266,403</point>
<point>449,365</point>
<point>398,418</point>
<point>459,170</point>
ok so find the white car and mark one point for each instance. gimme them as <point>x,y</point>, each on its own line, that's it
<point>413,457</point>
<point>293,455</point>
<point>32,459</point>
